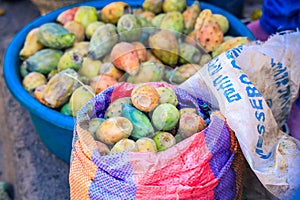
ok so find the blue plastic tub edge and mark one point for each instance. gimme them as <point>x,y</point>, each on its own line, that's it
<point>12,63</point>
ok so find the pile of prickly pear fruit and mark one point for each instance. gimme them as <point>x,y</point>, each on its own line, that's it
<point>150,120</point>
<point>85,51</point>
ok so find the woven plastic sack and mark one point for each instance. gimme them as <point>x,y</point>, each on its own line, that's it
<point>273,155</point>
<point>207,165</point>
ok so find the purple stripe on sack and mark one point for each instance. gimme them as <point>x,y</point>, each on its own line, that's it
<point>113,179</point>
<point>102,101</point>
<point>218,142</point>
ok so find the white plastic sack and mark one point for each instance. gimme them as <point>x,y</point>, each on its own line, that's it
<point>273,155</point>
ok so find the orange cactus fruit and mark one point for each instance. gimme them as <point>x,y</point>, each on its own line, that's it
<point>112,12</point>
<point>102,82</point>
<point>67,16</point>
<point>144,97</point>
<point>141,51</point>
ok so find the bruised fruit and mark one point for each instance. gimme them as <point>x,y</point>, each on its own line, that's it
<point>102,148</point>
<point>80,47</point>
<point>124,145</point>
<point>167,95</point>
<point>86,15</point>
<point>112,12</point>
<point>31,44</point>
<point>146,145</point>
<point>164,140</point>
<point>190,124</point>
<point>115,107</point>
<point>38,93</point>
<point>165,117</point>
<point>33,80</point>
<point>79,97</point>
<point>142,126</point>
<point>144,97</point>
<point>94,125</point>
<point>114,129</point>
<point>129,28</point>
<point>102,82</point>
<point>70,59</point>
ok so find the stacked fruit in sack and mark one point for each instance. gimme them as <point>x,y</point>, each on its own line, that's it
<point>85,51</point>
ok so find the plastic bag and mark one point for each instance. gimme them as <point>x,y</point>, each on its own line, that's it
<point>207,165</point>
<point>273,155</point>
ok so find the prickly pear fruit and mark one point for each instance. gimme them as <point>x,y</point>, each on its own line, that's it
<point>106,58</point>
<point>115,108</point>
<point>102,82</point>
<point>55,36</point>
<point>52,73</point>
<point>86,15</point>
<point>164,140</point>
<point>146,145</point>
<point>167,95</point>
<point>164,46</point>
<point>80,47</point>
<point>31,44</point>
<point>67,16</point>
<point>156,21</point>
<point>76,28</point>
<point>182,73</point>
<point>65,109</point>
<point>188,54</point>
<point>178,138</point>
<point>79,97</point>
<point>38,93</point>
<point>208,31</point>
<point>151,57</point>
<point>144,97</point>
<point>112,12</point>
<point>43,61</point>
<point>229,44</point>
<point>70,59</point>
<point>125,57</point>
<point>149,72</point>
<point>102,148</point>
<point>33,80</point>
<point>205,58</point>
<point>173,21</point>
<point>165,117</point>
<point>190,124</point>
<point>190,16</point>
<point>124,145</point>
<point>110,70</point>
<point>222,21</point>
<point>102,41</point>
<point>142,126</point>
<point>154,6</point>
<point>141,51</point>
<point>94,125</point>
<point>129,28</point>
<point>148,15</point>
<point>23,69</point>
<point>187,110</point>
<point>191,39</point>
<point>89,68</point>
<point>91,28</point>
<point>114,129</point>
<point>174,5</point>
<point>60,87</point>
<point>143,22</point>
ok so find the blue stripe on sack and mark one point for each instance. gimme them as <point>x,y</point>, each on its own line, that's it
<point>113,179</point>
<point>102,101</point>
<point>217,139</point>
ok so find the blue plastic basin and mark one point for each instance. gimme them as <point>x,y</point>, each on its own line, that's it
<point>54,128</point>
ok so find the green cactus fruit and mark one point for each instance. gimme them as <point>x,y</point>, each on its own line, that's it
<point>79,97</point>
<point>182,73</point>
<point>190,16</point>
<point>174,5</point>
<point>52,73</point>
<point>65,109</point>
<point>146,145</point>
<point>86,15</point>
<point>60,87</point>
<point>167,95</point>
<point>164,46</point>
<point>143,22</point>
<point>222,21</point>
<point>76,28</point>
<point>229,44</point>
<point>173,21</point>
<point>31,44</point>
<point>154,6</point>
<point>33,80</point>
<point>124,145</point>
<point>112,12</point>
<point>70,59</point>
<point>89,68</point>
<point>102,41</point>
<point>110,70</point>
<point>129,28</point>
<point>23,69</point>
<point>94,125</point>
<point>55,36</point>
<point>142,126</point>
<point>188,54</point>
<point>115,108</point>
<point>156,21</point>
<point>43,61</point>
<point>165,117</point>
<point>114,129</point>
<point>205,58</point>
<point>164,140</point>
<point>187,110</point>
<point>81,47</point>
<point>190,124</point>
<point>149,72</point>
<point>102,148</point>
<point>91,28</point>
